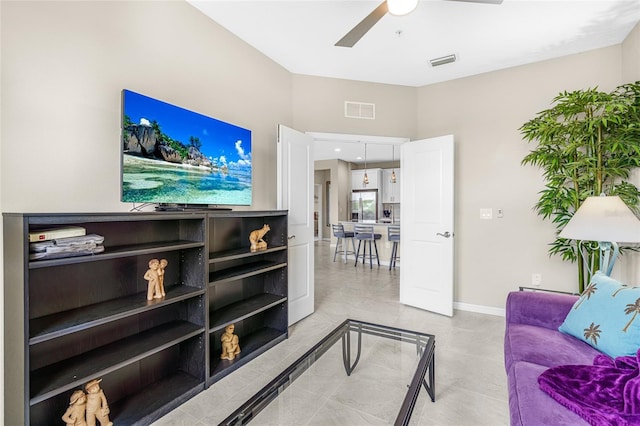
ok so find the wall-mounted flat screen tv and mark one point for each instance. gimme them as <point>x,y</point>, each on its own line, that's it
<point>173,156</point>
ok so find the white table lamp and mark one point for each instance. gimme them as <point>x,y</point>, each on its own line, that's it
<point>607,220</point>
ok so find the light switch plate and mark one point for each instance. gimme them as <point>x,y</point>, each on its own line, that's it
<point>486,213</point>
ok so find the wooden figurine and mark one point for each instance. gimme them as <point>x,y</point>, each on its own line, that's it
<point>230,343</point>
<point>97,407</point>
<point>163,264</point>
<point>255,237</point>
<point>152,275</point>
<point>75,414</point>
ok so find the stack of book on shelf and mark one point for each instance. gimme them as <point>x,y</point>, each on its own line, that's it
<point>68,241</point>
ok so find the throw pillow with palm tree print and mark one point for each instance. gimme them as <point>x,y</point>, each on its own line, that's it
<point>606,316</point>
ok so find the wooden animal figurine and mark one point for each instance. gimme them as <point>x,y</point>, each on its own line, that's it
<point>75,414</point>
<point>255,237</point>
<point>230,343</point>
<point>163,264</point>
<point>97,407</point>
<point>152,275</point>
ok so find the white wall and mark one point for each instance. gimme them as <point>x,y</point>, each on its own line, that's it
<point>63,73</point>
<point>318,106</point>
<point>484,113</point>
<point>631,56</point>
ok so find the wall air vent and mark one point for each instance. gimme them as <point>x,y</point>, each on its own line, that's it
<point>359,110</point>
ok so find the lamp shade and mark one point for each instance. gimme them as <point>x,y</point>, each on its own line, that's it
<point>604,218</point>
<point>401,7</point>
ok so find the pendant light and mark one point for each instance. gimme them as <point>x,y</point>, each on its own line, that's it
<point>393,160</point>
<point>365,180</point>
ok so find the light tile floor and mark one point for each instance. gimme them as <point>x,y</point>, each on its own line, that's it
<point>471,384</point>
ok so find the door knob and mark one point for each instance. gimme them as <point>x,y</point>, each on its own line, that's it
<point>447,234</point>
<point>291,237</point>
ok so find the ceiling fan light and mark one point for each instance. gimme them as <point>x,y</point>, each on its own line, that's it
<point>401,7</point>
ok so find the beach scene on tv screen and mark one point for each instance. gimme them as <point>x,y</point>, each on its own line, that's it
<point>176,156</point>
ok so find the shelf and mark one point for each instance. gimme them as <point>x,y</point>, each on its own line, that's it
<point>220,318</point>
<point>75,372</point>
<point>63,323</point>
<point>118,252</point>
<point>244,271</point>
<point>251,346</point>
<point>240,253</point>
<point>49,219</point>
<point>143,408</point>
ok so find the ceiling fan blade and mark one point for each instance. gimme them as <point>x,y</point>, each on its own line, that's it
<point>481,1</point>
<point>353,36</point>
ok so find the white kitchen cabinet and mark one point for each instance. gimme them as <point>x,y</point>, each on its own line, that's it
<point>375,179</point>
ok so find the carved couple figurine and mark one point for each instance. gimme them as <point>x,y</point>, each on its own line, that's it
<point>155,276</point>
<point>85,409</point>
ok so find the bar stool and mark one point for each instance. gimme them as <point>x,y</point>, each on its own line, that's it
<point>341,234</point>
<point>365,233</point>
<point>393,235</point>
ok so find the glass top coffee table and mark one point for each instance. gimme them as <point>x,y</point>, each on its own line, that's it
<point>324,384</point>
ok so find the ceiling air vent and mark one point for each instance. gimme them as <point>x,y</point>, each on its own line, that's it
<point>359,110</point>
<point>443,60</point>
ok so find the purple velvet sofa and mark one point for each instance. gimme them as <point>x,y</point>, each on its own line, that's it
<point>532,344</point>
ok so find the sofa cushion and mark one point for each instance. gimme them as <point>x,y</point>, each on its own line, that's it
<point>538,308</point>
<point>528,405</point>
<point>545,347</point>
<point>606,317</point>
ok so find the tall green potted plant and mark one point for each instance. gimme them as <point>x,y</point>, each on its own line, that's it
<point>587,144</point>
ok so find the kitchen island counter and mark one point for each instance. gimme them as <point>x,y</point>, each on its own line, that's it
<point>384,245</point>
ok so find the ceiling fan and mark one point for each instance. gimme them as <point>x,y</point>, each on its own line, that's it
<point>394,7</point>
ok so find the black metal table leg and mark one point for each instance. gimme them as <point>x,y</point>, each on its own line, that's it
<point>346,350</point>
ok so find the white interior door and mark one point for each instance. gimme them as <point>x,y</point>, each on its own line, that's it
<point>295,194</point>
<point>426,276</point>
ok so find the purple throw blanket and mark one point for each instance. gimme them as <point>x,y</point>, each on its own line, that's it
<point>605,393</point>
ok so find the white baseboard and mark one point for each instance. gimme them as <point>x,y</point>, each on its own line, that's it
<point>489,310</point>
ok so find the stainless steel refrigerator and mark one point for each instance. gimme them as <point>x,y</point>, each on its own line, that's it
<point>364,205</point>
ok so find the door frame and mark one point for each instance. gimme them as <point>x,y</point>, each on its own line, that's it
<point>318,191</point>
<point>320,137</point>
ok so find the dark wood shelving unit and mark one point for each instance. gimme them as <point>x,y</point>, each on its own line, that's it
<point>75,319</point>
<point>247,289</point>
